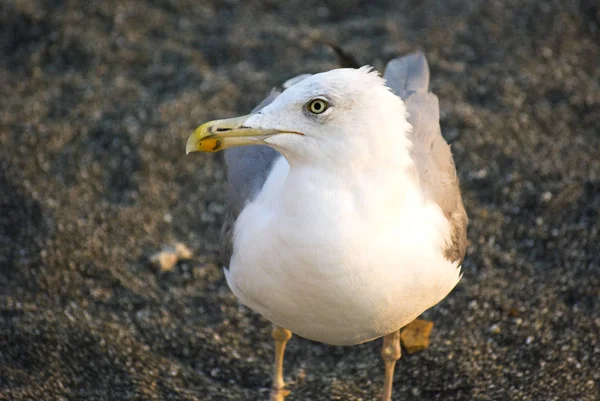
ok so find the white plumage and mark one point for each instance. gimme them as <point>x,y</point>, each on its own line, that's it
<point>342,247</point>
<point>355,225</point>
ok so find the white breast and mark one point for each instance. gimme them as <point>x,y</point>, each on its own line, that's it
<point>340,262</point>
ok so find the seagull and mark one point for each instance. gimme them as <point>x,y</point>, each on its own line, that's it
<point>346,219</point>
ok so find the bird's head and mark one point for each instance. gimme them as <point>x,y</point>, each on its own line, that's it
<point>336,115</point>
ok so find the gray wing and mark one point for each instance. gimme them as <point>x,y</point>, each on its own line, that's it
<point>247,170</point>
<point>408,77</point>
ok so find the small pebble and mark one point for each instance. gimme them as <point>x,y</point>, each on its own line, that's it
<point>415,335</point>
<point>301,375</point>
<point>182,251</point>
<point>546,196</point>
<point>164,260</point>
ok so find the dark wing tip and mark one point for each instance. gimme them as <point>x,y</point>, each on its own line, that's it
<point>345,59</point>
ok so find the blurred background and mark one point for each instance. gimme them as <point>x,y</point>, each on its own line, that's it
<point>96,101</point>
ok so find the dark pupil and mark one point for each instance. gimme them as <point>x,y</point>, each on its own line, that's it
<point>317,106</point>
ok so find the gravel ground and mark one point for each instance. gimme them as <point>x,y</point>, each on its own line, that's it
<point>96,101</point>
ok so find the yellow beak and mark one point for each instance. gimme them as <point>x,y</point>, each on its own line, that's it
<point>222,134</point>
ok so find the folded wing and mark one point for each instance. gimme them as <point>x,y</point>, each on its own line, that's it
<point>408,77</point>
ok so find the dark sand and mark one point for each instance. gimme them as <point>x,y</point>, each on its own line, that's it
<point>96,101</point>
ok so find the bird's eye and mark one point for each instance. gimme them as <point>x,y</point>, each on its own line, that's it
<point>317,106</point>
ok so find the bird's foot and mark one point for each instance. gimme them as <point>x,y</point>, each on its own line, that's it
<point>279,394</point>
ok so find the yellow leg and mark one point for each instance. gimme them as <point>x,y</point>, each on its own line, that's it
<point>390,354</point>
<point>281,337</point>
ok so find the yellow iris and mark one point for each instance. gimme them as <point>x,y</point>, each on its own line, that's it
<point>317,106</point>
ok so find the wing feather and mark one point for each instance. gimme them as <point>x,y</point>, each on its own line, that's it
<point>408,77</point>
